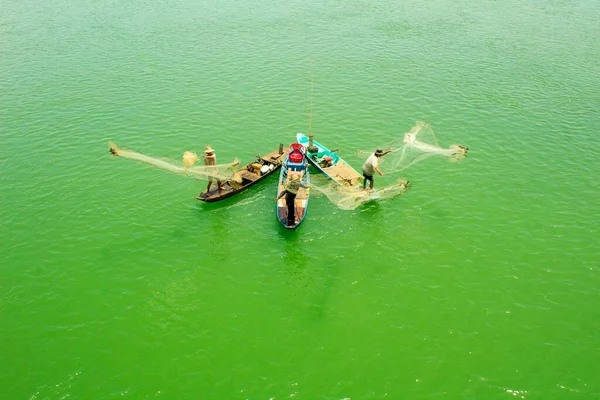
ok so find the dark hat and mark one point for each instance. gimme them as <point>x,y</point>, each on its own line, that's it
<point>379,152</point>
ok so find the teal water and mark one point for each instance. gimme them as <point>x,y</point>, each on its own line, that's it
<point>481,282</point>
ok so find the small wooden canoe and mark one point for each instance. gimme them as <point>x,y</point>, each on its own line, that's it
<point>245,177</point>
<point>293,165</point>
<point>329,163</point>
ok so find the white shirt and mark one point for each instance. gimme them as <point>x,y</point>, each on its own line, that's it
<point>369,166</point>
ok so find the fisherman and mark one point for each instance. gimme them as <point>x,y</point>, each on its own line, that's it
<point>290,192</point>
<point>371,166</point>
<point>211,159</point>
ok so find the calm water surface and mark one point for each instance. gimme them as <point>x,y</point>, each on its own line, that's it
<point>482,282</point>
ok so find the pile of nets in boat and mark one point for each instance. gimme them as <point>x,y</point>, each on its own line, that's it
<point>185,167</point>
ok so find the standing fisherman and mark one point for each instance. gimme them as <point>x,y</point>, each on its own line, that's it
<point>290,192</point>
<point>371,166</point>
<point>211,159</point>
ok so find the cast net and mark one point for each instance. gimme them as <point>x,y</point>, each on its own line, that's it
<point>352,197</point>
<point>186,167</point>
<point>415,146</point>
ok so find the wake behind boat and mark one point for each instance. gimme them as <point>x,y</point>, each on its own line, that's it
<point>329,163</point>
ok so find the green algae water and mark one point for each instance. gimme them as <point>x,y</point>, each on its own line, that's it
<point>481,282</point>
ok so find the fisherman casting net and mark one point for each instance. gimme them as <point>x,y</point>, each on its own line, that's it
<point>417,145</point>
<point>219,171</point>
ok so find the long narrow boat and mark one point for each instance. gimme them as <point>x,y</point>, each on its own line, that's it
<point>246,176</point>
<point>295,163</point>
<point>329,163</point>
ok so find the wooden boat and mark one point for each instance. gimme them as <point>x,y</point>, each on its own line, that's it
<point>329,163</point>
<point>246,176</point>
<point>295,162</point>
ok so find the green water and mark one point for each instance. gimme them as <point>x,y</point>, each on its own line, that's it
<point>480,281</point>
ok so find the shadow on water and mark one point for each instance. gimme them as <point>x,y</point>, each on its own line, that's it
<point>371,208</point>
<point>317,306</point>
<point>294,256</point>
<point>218,205</point>
<point>217,227</point>
<point>311,276</point>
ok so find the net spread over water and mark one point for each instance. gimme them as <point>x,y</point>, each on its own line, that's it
<point>219,171</point>
<point>417,145</point>
<point>352,197</point>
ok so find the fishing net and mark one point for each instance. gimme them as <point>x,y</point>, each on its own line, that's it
<point>220,171</point>
<point>352,197</point>
<point>189,159</point>
<point>415,146</point>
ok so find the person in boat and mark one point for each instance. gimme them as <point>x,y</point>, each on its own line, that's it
<point>211,159</point>
<point>371,166</point>
<point>291,190</point>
